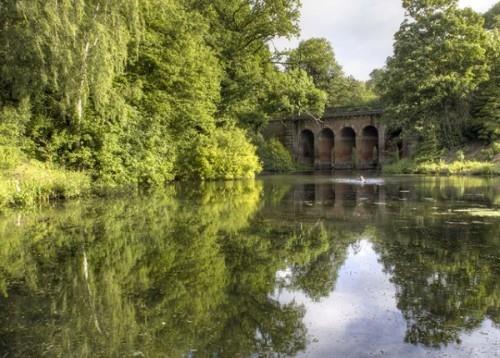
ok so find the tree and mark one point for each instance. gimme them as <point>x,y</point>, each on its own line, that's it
<point>439,60</point>
<point>486,100</point>
<point>239,34</point>
<point>316,57</point>
<point>294,93</point>
<point>75,50</point>
<point>492,17</point>
<point>120,88</point>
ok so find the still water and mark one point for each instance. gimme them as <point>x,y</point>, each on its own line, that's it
<point>311,266</point>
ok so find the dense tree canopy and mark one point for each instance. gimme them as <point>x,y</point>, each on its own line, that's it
<point>317,58</point>
<point>144,92</point>
<point>125,89</point>
<point>442,56</point>
<point>492,17</point>
<point>486,103</point>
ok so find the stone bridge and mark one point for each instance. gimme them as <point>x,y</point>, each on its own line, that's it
<point>341,139</point>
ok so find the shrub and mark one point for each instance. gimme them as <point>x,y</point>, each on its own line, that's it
<point>10,157</point>
<point>465,167</point>
<point>402,166</point>
<point>275,157</point>
<point>457,167</point>
<point>495,146</point>
<point>223,154</point>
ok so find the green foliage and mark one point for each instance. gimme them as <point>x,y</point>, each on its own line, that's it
<point>492,17</point>
<point>239,32</point>
<point>440,58</point>
<point>459,167</point>
<point>428,146</point>
<point>294,93</point>
<point>225,154</point>
<point>13,121</point>
<point>75,50</point>
<point>316,57</point>
<point>26,183</point>
<point>401,166</point>
<point>124,90</point>
<point>165,275</point>
<point>486,103</point>
<point>495,146</point>
<point>275,157</point>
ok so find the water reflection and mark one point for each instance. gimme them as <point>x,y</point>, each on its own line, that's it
<point>212,270</point>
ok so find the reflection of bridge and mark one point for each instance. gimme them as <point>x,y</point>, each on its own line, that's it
<point>337,200</point>
<point>340,140</point>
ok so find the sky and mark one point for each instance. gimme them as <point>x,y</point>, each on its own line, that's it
<point>361,31</point>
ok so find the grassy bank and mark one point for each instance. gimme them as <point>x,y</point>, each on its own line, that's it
<point>474,158</point>
<point>465,167</point>
<point>26,182</point>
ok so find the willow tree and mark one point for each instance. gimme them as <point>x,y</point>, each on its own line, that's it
<point>76,47</point>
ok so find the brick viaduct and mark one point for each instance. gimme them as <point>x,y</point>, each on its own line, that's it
<point>341,139</point>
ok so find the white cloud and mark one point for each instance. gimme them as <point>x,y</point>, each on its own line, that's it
<point>361,31</point>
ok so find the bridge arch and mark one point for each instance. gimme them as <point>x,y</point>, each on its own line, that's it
<point>326,145</point>
<point>345,148</point>
<point>369,151</point>
<point>306,147</point>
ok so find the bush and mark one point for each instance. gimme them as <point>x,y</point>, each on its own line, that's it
<point>458,167</point>
<point>495,146</point>
<point>10,157</point>
<point>12,123</point>
<point>223,154</point>
<point>465,167</point>
<point>275,157</point>
<point>403,166</point>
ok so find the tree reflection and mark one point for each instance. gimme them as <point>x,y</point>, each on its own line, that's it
<point>317,276</point>
<point>195,270</point>
<point>169,274</point>
<point>446,278</point>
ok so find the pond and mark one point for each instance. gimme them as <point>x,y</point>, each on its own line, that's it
<point>304,265</point>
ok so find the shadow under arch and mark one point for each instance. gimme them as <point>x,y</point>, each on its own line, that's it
<point>306,148</point>
<point>369,151</point>
<point>326,147</point>
<point>345,149</point>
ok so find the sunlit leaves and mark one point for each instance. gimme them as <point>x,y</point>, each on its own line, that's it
<point>440,58</point>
